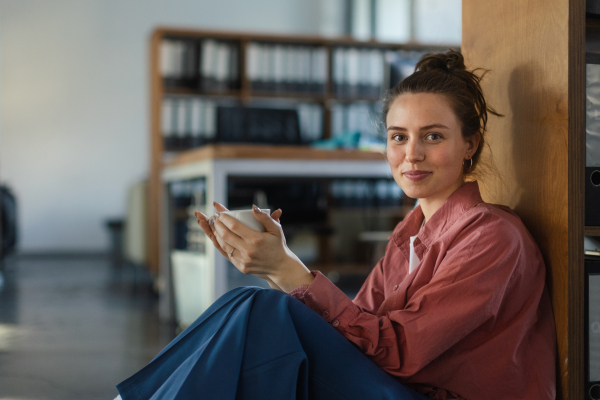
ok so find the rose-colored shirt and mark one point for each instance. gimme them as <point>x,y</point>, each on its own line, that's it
<point>472,321</point>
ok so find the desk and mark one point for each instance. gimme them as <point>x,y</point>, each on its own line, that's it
<point>217,163</point>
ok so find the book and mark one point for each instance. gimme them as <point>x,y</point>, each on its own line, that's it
<point>167,124</point>
<point>196,119</point>
<point>210,121</point>
<point>353,71</point>
<point>319,72</point>
<point>222,66</point>
<point>253,64</point>
<point>376,72</point>
<point>209,48</point>
<point>279,67</point>
<point>310,117</point>
<point>181,121</point>
<point>178,59</point>
<point>339,71</point>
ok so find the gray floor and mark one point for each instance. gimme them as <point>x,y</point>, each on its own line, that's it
<point>73,327</point>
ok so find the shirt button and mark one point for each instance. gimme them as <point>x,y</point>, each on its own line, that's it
<point>396,287</point>
<point>335,323</point>
<point>325,314</point>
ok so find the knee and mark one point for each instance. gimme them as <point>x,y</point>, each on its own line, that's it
<point>245,289</point>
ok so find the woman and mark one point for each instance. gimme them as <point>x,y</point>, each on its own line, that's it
<point>456,309</point>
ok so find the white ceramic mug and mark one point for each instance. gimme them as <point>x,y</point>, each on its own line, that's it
<point>247,218</point>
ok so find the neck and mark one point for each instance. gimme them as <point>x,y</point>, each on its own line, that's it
<point>430,205</point>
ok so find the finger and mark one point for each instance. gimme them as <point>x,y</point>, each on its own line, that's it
<point>205,224</point>
<point>226,235</point>
<point>219,207</point>
<point>225,248</point>
<point>270,225</point>
<point>237,227</point>
<point>203,221</point>
<point>277,214</point>
<point>213,238</point>
<point>200,215</point>
<point>210,234</point>
<point>205,228</point>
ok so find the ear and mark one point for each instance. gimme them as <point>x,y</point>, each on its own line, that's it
<point>472,144</point>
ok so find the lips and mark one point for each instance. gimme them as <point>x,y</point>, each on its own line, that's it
<point>416,175</point>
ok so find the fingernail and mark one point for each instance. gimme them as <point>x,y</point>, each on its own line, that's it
<point>255,208</point>
<point>217,215</point>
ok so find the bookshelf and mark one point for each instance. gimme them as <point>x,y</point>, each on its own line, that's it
<point>196,72</point>
<point>536,51</point>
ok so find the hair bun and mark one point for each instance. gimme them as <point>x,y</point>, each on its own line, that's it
<point>449,61</point>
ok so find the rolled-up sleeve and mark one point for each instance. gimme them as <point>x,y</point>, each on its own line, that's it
<point>329,301</point>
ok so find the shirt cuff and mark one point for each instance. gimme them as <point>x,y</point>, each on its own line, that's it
<point>299,292</point>
<point>330,302</point>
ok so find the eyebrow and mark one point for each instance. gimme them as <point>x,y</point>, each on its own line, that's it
<point>423,128</point>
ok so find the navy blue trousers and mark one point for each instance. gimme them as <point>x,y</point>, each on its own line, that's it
<point>255,343</point>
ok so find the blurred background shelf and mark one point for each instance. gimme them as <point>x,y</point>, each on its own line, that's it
<point>233,117</point>
<point>592,231</point>
<point>254,151</point>
<point>200,77</point>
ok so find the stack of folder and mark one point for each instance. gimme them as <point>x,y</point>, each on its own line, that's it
<point>188,122</point>
<point>178,62</point>
<point>286,67</point>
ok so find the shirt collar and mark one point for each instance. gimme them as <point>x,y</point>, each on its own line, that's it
<point>463,198</point>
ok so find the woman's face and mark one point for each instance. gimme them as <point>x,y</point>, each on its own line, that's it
<point>425,146</point>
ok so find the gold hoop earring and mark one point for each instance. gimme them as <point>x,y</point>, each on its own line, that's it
<point>470,165</point>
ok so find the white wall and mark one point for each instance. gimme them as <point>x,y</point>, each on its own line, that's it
<point>74,102</point>
<point>438,21</point>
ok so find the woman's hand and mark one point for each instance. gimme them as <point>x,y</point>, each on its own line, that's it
<point>205,224</point>
<point>260,253</point>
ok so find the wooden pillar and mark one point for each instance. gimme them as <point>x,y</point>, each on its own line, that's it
<point>535,51</point>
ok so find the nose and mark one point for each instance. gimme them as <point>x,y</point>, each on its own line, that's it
<point>414,151</point>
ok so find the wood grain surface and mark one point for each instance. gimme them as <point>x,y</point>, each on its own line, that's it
<point>273,152</point>
<point>576,193</point>
<point>296,39</point>
<point>535,158</point>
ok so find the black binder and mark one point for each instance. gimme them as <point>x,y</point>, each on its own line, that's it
<point>592,8</point>
<point>592,330</point>
<point>258,125</point>
<point>592,137</point>
<point>592,196</point>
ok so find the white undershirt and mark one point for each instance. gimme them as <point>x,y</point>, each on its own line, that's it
<point>414,261</point>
